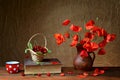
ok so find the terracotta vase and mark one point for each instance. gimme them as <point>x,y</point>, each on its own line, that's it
<point>83,63</point>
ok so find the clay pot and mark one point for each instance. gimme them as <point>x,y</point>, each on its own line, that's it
<point>83,63</point>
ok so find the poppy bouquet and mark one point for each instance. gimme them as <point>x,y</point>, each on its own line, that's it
<point>88,42</point>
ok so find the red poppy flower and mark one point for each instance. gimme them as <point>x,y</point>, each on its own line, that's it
<point>89,35</point>
<point>75,37</point>
<point>75,28</point>
<point>67,35</point>
<point>87,46</point>
<point>102,44</point>
<point>83,41</point>
<point>83,53</point>
<point>95,29</point>
<point>101,51</point>
<point>94,46</point>
<point>90,46</point>
<point>66,22</point>
<point>90,24</point>
<point>110,37</point>
<point>101,32</point>
<point>59,38</point>
<point>74,43</point>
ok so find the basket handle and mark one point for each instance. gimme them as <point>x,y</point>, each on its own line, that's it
<point>36,35</point>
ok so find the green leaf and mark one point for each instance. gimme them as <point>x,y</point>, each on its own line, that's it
<point>37,62</point>
<point>49,51</point>
<point>26,50</point>
<point>30,45</point>
<point>39,53</point>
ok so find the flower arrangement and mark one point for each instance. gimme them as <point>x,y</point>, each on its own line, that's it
<point>88,42</point>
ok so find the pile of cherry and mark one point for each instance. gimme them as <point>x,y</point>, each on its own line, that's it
<point>39,49</point>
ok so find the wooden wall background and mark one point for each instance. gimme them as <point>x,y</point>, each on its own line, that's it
<point>20,19</point>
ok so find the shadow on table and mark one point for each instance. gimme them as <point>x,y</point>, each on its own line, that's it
<point>112,72</point>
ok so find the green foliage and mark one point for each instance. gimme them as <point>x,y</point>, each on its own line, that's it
<point>30,45</point>
<point>49,51</point>
<point>26,50</point>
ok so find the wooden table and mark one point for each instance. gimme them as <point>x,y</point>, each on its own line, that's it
<point>112,73</point>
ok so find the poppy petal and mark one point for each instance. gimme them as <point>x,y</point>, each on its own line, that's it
<point>101,51</point>
<point>67,35</point>
<point>90,24</point>
<point>85,74</point>
<point>94,46</point>
<point>75,37</point>
<point>96,70</point>
<point>62,74</point>
<point>59,38</point>
<point>110,37</point>
<point>66,22</point>
<point>84,40</point>
<point>87,46</point>
<point>95,74</point>
<point>75,28</point>
<point>89,35</point>
<point>101,72</point>
<point>90,46</point>
<point>74,43</point>
<point>81,76</point>
<point>102,44</point>
<point>83,53</point>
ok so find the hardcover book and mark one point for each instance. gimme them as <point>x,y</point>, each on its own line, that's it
<point>51,65</point>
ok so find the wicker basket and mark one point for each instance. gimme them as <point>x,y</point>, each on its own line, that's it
<point>37,57</point>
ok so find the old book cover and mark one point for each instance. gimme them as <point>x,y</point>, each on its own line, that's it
<point>51,65</point>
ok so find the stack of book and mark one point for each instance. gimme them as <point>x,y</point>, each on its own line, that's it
<point>51,65</point>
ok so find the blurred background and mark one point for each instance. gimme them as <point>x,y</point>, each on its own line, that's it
<point>20,19</point>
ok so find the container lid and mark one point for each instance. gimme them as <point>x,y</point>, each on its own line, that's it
<point>12,62</point>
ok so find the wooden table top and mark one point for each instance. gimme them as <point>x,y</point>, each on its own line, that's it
<point>112,73</point>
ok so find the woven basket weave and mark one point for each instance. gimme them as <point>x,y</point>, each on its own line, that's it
<point>37,57</point>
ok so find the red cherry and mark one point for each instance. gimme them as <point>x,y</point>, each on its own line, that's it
<point>39,74</point>
<point>35,48</point>
<point>43,50</point>
<point>95,74</point>
<point>85,74</point>
<point>39,48</point>
<point>48,74</point>
<point>101,72</point>
<point>62,74</point>
<point>22,74</point>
